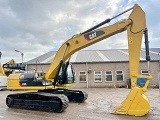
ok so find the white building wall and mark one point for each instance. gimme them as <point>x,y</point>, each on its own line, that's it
<point>124,66</point>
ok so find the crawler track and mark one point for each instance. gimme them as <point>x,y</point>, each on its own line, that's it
<point>38,101</point>
<point>73,95</point>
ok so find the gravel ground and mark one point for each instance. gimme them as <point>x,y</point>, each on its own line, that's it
<point>98,106</point>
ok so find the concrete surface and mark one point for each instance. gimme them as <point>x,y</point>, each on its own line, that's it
<point>100,102</point>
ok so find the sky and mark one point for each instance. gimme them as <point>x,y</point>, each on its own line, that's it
<point>35,27</point>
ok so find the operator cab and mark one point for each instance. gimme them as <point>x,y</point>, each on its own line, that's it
<point>65,74</point>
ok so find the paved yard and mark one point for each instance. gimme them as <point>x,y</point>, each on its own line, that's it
<point>100,102</point>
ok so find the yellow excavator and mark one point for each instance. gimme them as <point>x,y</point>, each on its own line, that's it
<point>7,69</point>
<point>52,94</point>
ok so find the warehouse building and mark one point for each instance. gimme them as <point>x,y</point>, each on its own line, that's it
<point>102,68</point>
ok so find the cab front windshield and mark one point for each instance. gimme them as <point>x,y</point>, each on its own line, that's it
<point>67,76</point>
<point>70,75</point>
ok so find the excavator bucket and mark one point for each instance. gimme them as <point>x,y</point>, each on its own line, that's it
<point>136,103</point>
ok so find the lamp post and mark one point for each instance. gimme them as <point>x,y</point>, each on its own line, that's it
<point>21,54</point>
<point>159,70</point>
<point>0,54</point>
<point>159,58</point>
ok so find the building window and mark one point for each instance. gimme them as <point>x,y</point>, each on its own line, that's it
<point>98,76</point>
<point>109,76</point>
<point>144,72</point>
<point>82,76</point>
<point>119,74</point>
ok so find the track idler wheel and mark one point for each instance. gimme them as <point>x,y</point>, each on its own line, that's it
<point>9,101</point>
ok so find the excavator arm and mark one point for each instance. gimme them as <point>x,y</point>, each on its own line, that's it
<point>136,103</point>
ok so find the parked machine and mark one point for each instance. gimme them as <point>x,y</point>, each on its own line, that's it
<point>10,66</point>
<point>54,97</point>
<point>7,69</point>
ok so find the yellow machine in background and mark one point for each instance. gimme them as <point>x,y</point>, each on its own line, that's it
<point>4,72</point>
<point>7,69</point>
<point>60,73</point>
<point>1,68</point>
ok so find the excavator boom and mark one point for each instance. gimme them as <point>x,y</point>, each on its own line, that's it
<point>136,22</point>
<point>81,41</point>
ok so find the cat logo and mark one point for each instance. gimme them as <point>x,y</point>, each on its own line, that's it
<point>93,35</point>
